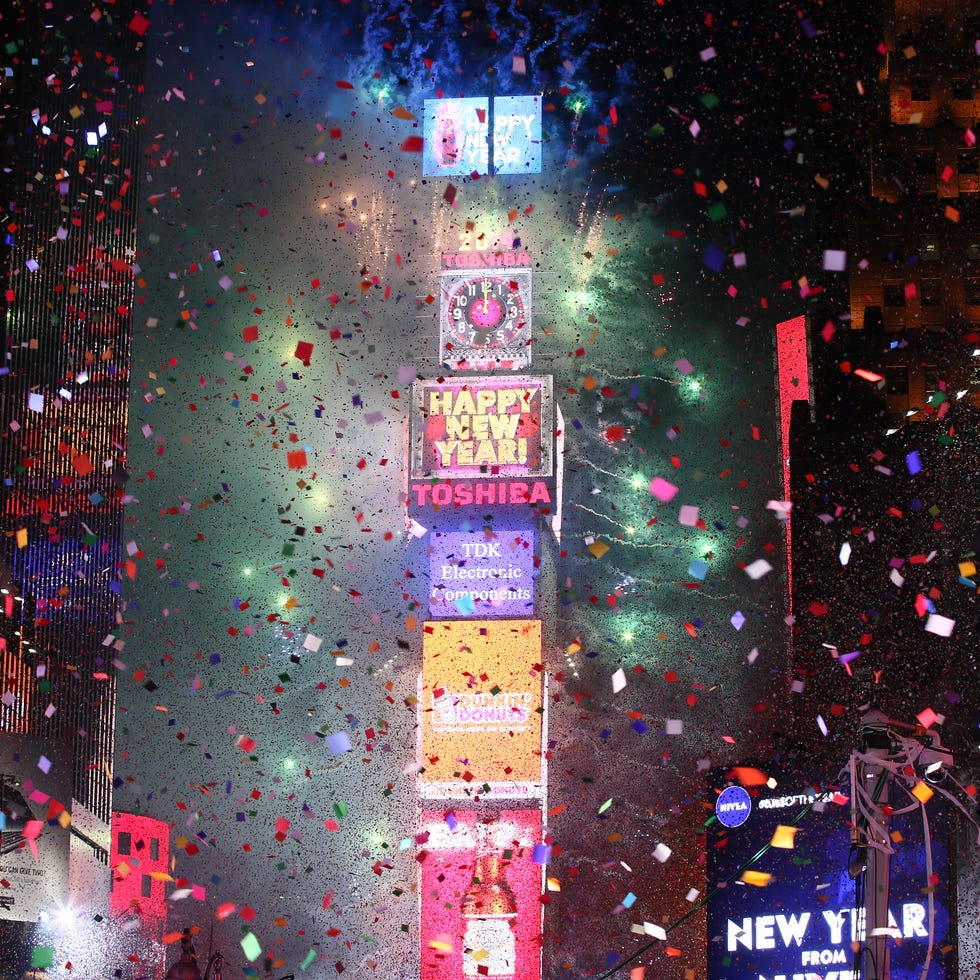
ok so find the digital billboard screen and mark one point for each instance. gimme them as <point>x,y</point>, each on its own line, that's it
<point>795,914</point>
<point>35,801</point>
<point>517,134</point>
<point>481,888</point>
<point>482,690</point>
<point>458,134</point>
<point>481,573</point>
<point>482,426</point>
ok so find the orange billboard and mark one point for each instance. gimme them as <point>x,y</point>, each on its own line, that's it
<point>483,709</point>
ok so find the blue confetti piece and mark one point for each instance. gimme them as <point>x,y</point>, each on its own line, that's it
<point>714,258</point>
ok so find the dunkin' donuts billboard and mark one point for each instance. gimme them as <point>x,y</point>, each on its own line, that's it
<point>482,712</point>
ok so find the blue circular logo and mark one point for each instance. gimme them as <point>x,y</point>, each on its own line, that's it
<point>733,806</point>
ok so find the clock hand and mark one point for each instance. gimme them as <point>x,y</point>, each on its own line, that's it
<point>486,300</point>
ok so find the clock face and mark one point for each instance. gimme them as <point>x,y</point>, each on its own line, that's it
<point>485,311</point>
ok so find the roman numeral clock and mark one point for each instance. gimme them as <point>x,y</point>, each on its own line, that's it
<point>485,311</point>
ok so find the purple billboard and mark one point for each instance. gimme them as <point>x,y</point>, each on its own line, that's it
<point>481,574</point>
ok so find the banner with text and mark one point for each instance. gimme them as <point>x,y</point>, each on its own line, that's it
<point>481,573</point>
<point>482,427</point>
<point>794,913</point>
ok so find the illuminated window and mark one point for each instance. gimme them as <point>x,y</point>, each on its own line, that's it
<point>919,87</point>
<point>125,843</point>
<point>891,248</point>
<point>894,292</point>
<point>967,162</point>
<point>929,248</point>
<point>931,292</point>
<point>972,291</point>
<point>925,161</point>
<point>963,89</point>
<point>897,380</point>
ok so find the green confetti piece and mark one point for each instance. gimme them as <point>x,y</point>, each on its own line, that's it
<point>605,806</point>
<point>42,957</point>
<point>251,947</point>
<point>310,957</point>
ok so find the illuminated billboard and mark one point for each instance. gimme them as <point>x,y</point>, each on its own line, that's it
<point>795,914</point>
<point>481,573</point>
<point>482,426</point>
<point>458,134</point>
<point>35,799</point>
<point>482,709</point>
<point>485,310</point>
<point>481,909</point>
<point>517,134</point>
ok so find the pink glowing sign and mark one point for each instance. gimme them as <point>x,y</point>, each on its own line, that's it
<point>481,887</point>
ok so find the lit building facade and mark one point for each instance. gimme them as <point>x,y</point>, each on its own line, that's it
<point>68,286</point>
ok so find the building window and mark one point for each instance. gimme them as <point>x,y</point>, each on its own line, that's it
<point>929,248</point>
<point>891,248</point>
<point>972,290</point>
<point>919,87</point>
<point>931,292</point>
<point>932,380</point>
<point>124,843</point>
<point>897,380</point>
<point>894,293</point>
<point>154,849</point>
<point>967,162</point>
<point>146,886</point>
<point>963,89</point>
<point>925,161</point>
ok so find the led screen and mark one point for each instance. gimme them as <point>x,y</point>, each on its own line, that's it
<point>482,708</point>
<point>481,909</point>
<point>805,921</point>
<point>482,426</point>
<point>481,573</point>
<point>517,134</point>
<point>35,799</point>
<point>457,135</point>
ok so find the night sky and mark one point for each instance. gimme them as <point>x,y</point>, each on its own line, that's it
<point>287,297</point>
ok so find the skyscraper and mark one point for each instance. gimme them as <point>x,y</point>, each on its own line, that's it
<point>70,127</point>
